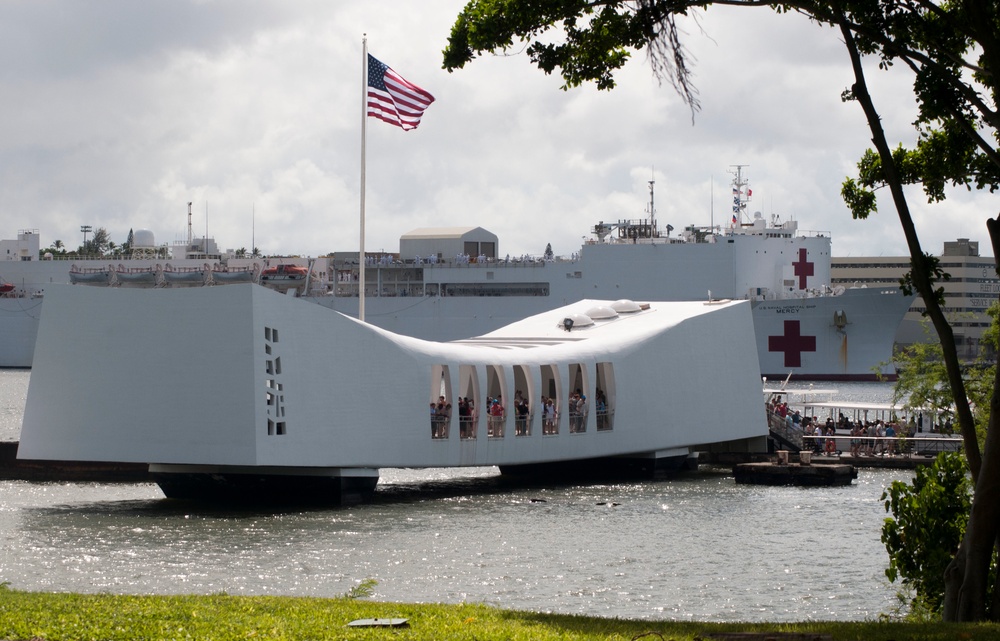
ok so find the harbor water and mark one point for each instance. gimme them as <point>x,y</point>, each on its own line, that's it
<point>695,548</point>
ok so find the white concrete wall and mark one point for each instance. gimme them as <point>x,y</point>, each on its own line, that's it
<point>180,376</point>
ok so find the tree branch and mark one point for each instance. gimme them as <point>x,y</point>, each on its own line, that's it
<point>921,276</point>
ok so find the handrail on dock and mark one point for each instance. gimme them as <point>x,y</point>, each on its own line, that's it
<point>902,445</point>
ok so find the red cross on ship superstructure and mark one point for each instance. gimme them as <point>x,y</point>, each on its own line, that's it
<point>793,343</point>
<point>803,268</point>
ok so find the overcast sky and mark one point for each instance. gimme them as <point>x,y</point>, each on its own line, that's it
<point>117,113</point>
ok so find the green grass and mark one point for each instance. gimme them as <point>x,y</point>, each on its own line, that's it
<point>105,617</point>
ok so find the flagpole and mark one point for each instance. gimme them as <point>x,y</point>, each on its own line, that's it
<point>364,132</point>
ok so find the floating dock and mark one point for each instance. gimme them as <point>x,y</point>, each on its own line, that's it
<point>804,473</point>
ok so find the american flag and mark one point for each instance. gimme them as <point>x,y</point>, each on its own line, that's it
<point>392,98</point>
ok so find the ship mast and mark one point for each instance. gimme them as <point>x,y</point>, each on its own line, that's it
<point>652,211</point>
<point>741,196</point>
<point>190,239</point>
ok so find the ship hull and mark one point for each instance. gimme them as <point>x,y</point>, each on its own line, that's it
<point>860,350</point>
<point>837,338</point>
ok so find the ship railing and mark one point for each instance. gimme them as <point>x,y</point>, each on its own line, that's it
<point>498,262</point>
<point>471,263</point>
<point>929,446</point>
<point>99,258</point>
<point>749,229</point>
<point>806,233</point>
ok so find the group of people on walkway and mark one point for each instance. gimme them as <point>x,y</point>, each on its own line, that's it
<point>496,415</point>
<point>879,438</point>
<point>868,438</point>
<point>578,412</point>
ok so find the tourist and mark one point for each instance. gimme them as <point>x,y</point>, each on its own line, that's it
<point>463,417</point>
<point>440,420</point>
<point>602,411</point>
<point>496,418</point>
<point>581,413</point>
<point>817,439</point>
<point>551,417</point>
<point>521,412</point>
<point>890,435</point>
<point>446,421</point>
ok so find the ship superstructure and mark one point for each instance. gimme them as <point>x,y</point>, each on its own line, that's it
<point>453,283</point>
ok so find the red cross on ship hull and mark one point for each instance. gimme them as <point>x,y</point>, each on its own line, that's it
<point>792,343</point>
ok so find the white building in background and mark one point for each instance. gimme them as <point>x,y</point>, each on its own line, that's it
<point>448,242</point>
<point>970,291</point>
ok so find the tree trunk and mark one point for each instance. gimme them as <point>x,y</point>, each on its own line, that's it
<point>953,576</point>
<point>983,530</point>
<point>921,276</point>
<point>973,561</point>
<point>966,578</point>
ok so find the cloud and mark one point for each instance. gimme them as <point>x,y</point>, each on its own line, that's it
<point>118,114</point>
